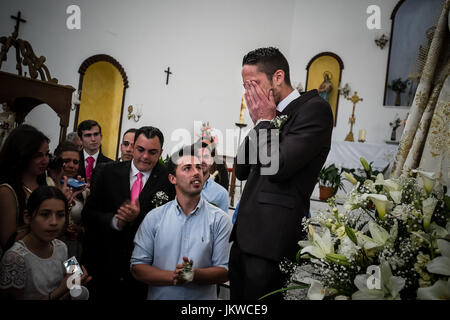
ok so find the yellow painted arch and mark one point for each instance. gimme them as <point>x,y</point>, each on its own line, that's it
<point>102,95</point>
<point>320,65</point>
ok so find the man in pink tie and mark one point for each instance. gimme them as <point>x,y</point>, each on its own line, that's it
<point>90,134</point>
<point>124,193</point>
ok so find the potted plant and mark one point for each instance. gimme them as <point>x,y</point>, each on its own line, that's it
<point>329,182</point>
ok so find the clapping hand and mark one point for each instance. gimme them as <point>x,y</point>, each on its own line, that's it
<point>128,212</point>
<point>259,106</point>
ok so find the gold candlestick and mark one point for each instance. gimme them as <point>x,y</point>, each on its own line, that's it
<point>355,99</point>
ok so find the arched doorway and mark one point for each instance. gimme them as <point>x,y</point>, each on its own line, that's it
<point>322,65</point>
<point>102,84</point>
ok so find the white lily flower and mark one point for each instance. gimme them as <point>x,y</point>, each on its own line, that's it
<point>390,286</point>
<point>441,264</point>
<point>440,232</point>
<point>428,206</point>
<point>428,178</point>
<point>380,201</point>
<point>440,290</point>
<point>396,196</point>
<point>319,246</point>
<point>379,236</point>
<point>389,184</point>
<point>316,291</point>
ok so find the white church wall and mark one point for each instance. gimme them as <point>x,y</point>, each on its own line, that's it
<point>203,42</point>
<point>340,27</point>
<point>42,115</point>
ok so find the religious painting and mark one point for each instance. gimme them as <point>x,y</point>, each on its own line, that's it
<point>324,74</point>
<point>413,23</point>
<point>103,83</point>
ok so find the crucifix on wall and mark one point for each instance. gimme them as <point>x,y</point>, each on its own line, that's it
<point>168,74</point>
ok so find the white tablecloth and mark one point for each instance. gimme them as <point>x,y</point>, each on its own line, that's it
<point>346,154</point>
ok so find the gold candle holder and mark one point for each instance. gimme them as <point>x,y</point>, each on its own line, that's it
<point>355,99</point>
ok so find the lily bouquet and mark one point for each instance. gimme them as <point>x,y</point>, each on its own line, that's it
<point>391,241</point>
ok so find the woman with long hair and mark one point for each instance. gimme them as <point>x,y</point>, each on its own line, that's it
<point>23,161</point>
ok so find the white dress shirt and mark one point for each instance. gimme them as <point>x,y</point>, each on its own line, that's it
<point>133,176</point>
<point>86,155</point>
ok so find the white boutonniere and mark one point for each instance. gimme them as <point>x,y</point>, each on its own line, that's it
<point>160,198</point>
<point>279,121</point>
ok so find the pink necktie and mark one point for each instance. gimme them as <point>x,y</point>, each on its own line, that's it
<point>136,188</point>
<point>90,167</point>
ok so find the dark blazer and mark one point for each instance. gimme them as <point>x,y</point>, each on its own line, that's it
<point>101,159</point>
<point>106,251</point>
<point>271,208</point>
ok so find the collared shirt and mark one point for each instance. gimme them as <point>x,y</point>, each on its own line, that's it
<point>283,103</point>
<point>215,194</point>
<point>167,234</point>
<point>86,155</point>
<point>133,176</point>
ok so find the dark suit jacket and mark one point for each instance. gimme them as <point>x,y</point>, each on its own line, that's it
<point>271,208</point>
<point>101,159</point>
<point>105,247</point>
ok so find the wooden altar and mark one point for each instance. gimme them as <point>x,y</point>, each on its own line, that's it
<point>23,94</point>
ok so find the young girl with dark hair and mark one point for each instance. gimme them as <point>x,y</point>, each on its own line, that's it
<point>32,269</point>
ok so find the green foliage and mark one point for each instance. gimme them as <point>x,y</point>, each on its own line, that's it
<point>164,161</point>
<point>331,177</point>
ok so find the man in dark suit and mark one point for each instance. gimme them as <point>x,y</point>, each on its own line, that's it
<point>91,155</point>
<point>280,161</point>
<point>112,219</point>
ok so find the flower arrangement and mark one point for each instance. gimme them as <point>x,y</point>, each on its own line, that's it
<point>391,241</point>
<point>160,198</point>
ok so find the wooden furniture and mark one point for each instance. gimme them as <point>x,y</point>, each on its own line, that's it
<point>22,93</point>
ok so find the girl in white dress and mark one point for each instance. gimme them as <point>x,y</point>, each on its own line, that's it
<point>32,269</point>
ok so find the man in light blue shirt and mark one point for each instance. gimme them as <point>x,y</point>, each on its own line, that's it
<point>187,228</point>
<point>212,192</point>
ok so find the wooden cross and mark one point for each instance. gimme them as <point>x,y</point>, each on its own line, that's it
<point>168,74</point>
<point>18,21</point>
